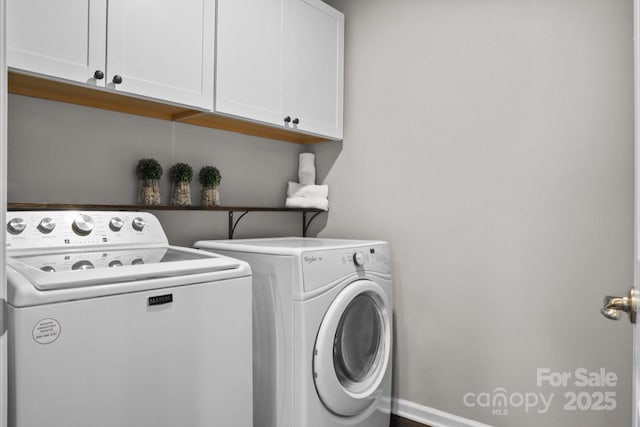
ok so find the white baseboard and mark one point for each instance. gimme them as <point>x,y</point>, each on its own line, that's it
<point>429,416</point>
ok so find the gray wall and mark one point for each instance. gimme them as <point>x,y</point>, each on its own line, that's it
<point>71,154</point>
<point>491,142</point>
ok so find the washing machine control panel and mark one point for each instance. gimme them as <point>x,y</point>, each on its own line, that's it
<point>324,266</point>
<point>66,229</point>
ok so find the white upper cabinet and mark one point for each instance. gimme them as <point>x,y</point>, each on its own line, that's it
<point>161,49</point>
<point>62,38</point>
<point>314,71</point>
<point>249,59</point>
<point>281,62</point>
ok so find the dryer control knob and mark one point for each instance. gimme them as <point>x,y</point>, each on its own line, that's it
<point>47,225</point>
<point>358,259</point>
<point>83,225</point>
<point>16,225</point>
<point>138,224</point>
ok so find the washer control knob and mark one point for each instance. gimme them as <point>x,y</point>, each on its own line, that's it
<point>82,265</point>
<point>83,225</point>
<point>16,225</point>
<point>116,223</point>
<point>115,263</point>
<point>358,259</point>
<point>48,269</point>
<point>47,225</point>
<point>138,223</point>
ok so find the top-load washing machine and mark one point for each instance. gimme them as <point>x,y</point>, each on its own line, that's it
<point>110,326</point>
<point>322,330</point>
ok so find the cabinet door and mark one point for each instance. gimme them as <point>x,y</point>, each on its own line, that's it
<point>315,68</point>
<point>163,49</point>
<point>62,38</point>
<point>249,61</point>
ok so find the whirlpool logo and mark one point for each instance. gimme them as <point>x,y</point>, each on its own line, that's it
<point>310,259</point>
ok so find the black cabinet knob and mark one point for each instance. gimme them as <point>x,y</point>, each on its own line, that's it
<point>98,75</point>
<point>296,121</point>
<point>287,119</point>
<point>117,79</point>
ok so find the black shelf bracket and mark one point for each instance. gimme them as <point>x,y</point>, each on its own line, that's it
<point>232,224</point>
<point>306,224</point>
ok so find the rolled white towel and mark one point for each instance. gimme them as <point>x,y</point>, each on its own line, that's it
<point>307,168</point>
<point>307,202</point>
<point>313,191</point>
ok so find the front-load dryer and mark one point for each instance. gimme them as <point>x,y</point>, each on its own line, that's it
<point>322,330</point>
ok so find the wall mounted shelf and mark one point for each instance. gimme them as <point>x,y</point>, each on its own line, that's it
<point>56,90</point>
<point>233,222</point>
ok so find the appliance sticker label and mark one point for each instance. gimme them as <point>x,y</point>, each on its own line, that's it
<point>46,331</point>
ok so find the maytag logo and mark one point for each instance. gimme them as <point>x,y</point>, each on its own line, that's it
<point>311,259</point>
<point>161,299</point>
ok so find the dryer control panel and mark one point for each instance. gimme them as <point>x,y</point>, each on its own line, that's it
<point>319,268</point>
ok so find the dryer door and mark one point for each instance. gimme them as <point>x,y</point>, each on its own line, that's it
<point>353,348</point>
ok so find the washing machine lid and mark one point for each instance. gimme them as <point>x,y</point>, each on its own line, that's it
<point>283,245</point>
<point>56,250</point>
<point>353,349</point>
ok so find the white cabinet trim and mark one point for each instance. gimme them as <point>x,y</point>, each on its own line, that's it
<point>3,208</point>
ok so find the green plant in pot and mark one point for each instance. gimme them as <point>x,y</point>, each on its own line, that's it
<point>210,178</point>
<point>181,175</point>
<point>148,172</point>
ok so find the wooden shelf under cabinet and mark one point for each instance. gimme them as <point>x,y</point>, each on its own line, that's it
<point>106,99</point>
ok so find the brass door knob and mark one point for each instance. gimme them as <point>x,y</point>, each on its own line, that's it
<point>613,306</point>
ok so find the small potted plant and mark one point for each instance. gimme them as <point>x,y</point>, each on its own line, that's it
<point>149,172</point>
<point>210,178</point>
<point>181,175</point>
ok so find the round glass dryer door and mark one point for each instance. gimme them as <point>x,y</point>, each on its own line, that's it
<point>353,348</point>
